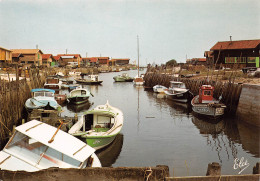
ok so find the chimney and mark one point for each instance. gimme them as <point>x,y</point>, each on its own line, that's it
<point>230,38</point>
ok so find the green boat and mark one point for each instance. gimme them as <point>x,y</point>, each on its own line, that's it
<point>123,78</point>
<point>78,96</point>
<point>99,126</point>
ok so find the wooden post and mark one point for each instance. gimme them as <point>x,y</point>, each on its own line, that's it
<point>256,169</point>
<point>214,169</point>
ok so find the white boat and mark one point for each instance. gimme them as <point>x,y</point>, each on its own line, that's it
<point>90,80</point>
<point>72,73</point>
<point>42,99</point>
<point>178,92</point>
<point>36,145</point>
<point>59,74</point>
<point>159,88</point>
<point>206,105</point>
<point>99,126</point>
<point>138,80</point>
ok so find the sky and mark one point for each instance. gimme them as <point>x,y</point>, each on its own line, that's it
<point>167,29</point>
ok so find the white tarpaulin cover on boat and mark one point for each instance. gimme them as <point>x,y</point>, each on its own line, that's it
<point>63,142</point>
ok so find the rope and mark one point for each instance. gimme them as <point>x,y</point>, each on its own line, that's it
<point>149,174</point>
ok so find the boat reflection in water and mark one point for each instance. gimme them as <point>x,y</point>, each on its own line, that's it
<point>80,107</point>
<point>249,137</point>
<point>179,108</point>
<point>214,135</point>
<point>208,127</point>
<point>110,153</point>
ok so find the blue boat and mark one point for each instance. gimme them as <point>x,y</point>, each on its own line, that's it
<point>42,99</point>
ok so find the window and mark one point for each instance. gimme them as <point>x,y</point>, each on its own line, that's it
<point>251,59</point>
<point>207,93</point>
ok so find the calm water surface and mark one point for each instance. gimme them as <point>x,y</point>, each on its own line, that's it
<point>157,131</point>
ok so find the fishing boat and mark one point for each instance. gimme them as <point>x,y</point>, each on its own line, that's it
<point>78,96</point>
<point>41,99</point>
<point>53,82</point>
<point>159,88</point>
<point>90,80</point>
<point>178,92</point>
<point>60,98</point>
<point>205,104</point>
<point>138,80</point>
<point>123,78</point>
<point>66,81</point>
<point>99,126</point>
<point>76,108</point>
<point>36,145</point>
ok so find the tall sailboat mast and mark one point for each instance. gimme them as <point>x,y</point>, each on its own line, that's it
<point>138,53</point>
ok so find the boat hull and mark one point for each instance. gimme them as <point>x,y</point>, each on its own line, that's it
<point>89,82</point>
<point>98,142</point>
<point>119,79</point>
<point>32,104</point>
<point>207,110</point>
<point>159,89</point>
<point>179,97</point>
<point>78,100</point>
<point>123,79</point>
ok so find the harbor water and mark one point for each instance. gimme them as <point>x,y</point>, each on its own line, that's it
<point>157,131</point>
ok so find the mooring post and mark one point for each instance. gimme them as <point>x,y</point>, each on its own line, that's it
<point>256,169</point>
<point>214,169</point>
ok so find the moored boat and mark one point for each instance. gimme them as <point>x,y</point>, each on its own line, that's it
<point>91,80</point>
<point>60,98</point>
<point>53,82</point>
<point>139,81</point>
<point>159,88</point>
<point>205,104</point>
<point>41,99</point>
<point>178,92</point>
<point>78,96</point>
<point>76,108</point>
<point>36,145</point>
<point>99,126</point>
<point>123,78</point>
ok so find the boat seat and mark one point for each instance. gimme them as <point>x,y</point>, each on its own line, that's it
<point>97,126</point>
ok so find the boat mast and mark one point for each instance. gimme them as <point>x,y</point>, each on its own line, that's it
<point>138,53</point>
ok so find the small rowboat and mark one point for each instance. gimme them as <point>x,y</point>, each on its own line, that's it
<point>99,126</point>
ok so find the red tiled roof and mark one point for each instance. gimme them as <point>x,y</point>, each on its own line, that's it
<point>242,44</point>
<point>103,58</point>
<point>46,56</point>
<point>202,59</point>
<point>56,57</point>
<point>16,55</point>
<point>93,59</point>
<point>198,59</point>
